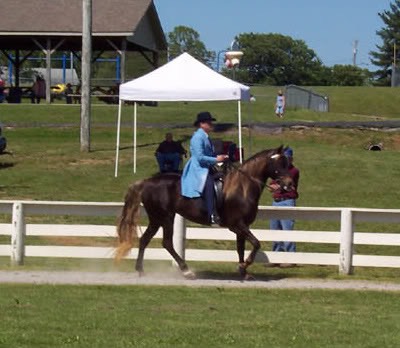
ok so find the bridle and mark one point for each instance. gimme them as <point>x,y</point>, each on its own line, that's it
<point>257,181</point>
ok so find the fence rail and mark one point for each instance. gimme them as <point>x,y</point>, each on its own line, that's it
<point>345,238</point>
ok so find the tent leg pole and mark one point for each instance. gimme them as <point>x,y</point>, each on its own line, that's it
<point>118,138</point>
<point>240,132</point>
<point>134,136</point>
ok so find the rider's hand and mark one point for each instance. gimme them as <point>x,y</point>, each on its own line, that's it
<point>274,187</point>
<point>221,158</point>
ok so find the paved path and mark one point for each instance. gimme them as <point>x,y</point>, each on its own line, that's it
<point>174,279</point>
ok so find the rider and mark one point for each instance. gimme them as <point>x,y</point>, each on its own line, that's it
<point>197,181</point>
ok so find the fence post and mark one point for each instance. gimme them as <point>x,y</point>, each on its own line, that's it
<point>309,100</point>
<point>179,236</point>
<point>18,234</point>
<point>346,242</point>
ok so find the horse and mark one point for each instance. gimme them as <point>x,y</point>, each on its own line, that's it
<point>162,199</point>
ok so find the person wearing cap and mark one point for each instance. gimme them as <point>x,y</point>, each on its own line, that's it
<point>196,178</point>
<point>280,104</point>
<point>283,198</point>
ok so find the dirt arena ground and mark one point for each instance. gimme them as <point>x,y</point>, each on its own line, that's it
<point>175,279</point>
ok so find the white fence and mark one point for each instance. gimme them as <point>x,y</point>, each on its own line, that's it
<point>346,238</point>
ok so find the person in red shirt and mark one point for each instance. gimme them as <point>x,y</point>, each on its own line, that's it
<point>283,198</point>
<point>2,85</point>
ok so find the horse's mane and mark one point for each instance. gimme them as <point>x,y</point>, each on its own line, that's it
<point>236,181</point>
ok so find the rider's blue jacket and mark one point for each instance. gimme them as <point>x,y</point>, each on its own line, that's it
<point>196,169</point>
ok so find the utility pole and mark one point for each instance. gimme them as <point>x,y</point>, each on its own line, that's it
<point>86,74</point>
<point>355,50</point>
<point>394,82</point>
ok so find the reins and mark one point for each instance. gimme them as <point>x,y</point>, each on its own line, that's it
<point>251,178</point>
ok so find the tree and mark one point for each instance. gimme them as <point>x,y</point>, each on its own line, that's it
<point>277,59</point>
<point>185,39</point>
<point>390,35</point>
<point>349,75</point>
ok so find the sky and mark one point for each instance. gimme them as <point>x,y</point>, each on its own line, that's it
<point>329,27</point>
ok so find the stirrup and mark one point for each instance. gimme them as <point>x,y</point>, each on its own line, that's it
<point>215,219</point>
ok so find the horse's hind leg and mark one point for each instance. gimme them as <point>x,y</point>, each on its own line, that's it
<point>168,228</point>
<point>145,239</point>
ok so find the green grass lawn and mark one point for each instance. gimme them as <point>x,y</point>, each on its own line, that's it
<point>336,170</point>
<point>346,104</point>
<point>140,316</point>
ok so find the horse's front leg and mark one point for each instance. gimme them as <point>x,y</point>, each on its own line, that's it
<point>168,230</point>
<point>243,233</point>
<point>240,248</point>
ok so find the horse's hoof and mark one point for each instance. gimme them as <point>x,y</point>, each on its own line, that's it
<point>189,275</point>
<point>249,277</point>
<point>141,274</point>
<point>242,271</point>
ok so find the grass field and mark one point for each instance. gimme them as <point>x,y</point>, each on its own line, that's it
<point>119,316</point>
<point>336,170</point>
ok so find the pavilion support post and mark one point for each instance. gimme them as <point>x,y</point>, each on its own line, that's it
<point>123,61</point>
<point>48,71</point>
<point>17,68</point>
<point>16,62</point>
<point>122,54</point>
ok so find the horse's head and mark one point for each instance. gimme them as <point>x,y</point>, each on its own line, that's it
<point>278,168</point>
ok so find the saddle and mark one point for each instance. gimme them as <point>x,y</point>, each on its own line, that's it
<point>218,172</point>
<point>218,191</point>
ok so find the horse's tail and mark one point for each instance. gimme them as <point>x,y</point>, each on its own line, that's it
<point>129,219</point>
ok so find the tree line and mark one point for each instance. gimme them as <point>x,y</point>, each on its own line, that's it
<point>269,58</point>
<point>276,59</point>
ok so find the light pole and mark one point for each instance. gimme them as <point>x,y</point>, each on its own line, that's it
<point>218,58</point>
<point>232,60</point>
<point>394,69</point>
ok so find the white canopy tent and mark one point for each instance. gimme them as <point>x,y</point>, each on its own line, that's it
<point>182,79</point>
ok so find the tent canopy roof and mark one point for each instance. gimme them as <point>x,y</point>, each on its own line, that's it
<point>183,79</point>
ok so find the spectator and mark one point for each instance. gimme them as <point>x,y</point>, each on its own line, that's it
<point>2,85</point>
<point>77,97</point>
<point>38,90</point>
<point>169,154</point>
<point>283,198</point>
<point>280,104</point>
<point>68,94</point>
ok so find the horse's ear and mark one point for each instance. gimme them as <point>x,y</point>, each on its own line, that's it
<point>280,149</point>
<point>277,152</point>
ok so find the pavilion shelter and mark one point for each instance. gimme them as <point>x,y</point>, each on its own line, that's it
<point>117,25</point>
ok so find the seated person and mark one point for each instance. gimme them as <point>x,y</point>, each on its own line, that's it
<point>169,153</point>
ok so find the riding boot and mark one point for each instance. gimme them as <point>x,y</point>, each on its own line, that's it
<point>215,218</point>
<point>210,201</point>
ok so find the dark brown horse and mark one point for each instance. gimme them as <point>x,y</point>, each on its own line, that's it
<point>161,198</point>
